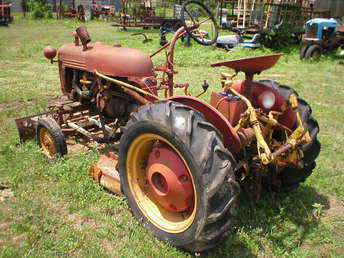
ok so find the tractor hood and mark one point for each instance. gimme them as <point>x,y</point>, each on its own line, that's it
<point>109,60</point>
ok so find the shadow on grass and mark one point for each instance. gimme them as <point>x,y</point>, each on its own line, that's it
<point>276,224</point>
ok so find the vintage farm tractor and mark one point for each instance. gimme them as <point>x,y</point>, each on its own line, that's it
<point>322,35</point>
<point>5,13</point>
<point>181,161</point>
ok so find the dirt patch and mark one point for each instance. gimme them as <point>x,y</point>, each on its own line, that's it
<point>108,246</point>
<point>336,206</point>
<point>16,104</point>
<point>4,225</point>
<point>80,222</point>
<point>6,194</point>
<point>275,75</point>
<point>18,241</point>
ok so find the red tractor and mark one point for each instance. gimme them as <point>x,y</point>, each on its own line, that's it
<point>182,162</point>
<point>5,14</point>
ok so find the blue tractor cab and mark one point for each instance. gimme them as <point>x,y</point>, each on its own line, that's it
<point>319,28</point>
<point>322,35</point>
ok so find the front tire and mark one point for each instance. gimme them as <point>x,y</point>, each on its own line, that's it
<point>196,147</point>
<point>50,138</point>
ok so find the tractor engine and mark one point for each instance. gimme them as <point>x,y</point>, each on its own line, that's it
<point>114,103</point>
<point>78,63</point>
<point>109,99</point>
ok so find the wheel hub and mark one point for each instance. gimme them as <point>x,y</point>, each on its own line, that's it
<point>47,143</point>
<point>169,180</point>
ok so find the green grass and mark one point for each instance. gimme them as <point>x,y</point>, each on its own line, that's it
<point>57,210</point>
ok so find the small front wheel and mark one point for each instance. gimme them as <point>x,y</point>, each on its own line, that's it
<point>50,138</point>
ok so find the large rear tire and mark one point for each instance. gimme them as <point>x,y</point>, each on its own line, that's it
<point>303,51</point>
<point>196,147</point>
<point>292,177</point>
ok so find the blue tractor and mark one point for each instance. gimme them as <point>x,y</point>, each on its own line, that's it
<point>322,35</point>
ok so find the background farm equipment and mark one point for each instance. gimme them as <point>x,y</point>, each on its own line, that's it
<point>80,9</point>
<point>322,35</point>
<point>144,14</point>
<point>5,13</point>
<point>229,42</point>
<point>181,161</point>
<point>85,10</point>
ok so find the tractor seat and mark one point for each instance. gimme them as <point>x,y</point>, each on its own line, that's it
<point>254,39</point>
<point>251,65</point>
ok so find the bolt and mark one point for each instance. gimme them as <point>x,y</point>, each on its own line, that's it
<point>183,178</point>
<point>157,154</point>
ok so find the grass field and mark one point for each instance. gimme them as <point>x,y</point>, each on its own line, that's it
<point>54,208</point>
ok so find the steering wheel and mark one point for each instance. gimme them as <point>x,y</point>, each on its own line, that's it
<point>199,22</point>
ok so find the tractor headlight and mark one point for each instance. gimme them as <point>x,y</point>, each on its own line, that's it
<point>267,99</point>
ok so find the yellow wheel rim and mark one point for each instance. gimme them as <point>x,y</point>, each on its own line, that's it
<point>171,222</point>
<point>47,142</point>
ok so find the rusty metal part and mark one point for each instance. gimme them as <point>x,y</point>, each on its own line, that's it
<point>246,135</point>
<point>272,121</point>
<point>49,52</point>
<point>126,85</point>
<point>84,36</point>
<point>105,173</point>
<point>27,126</point>
<point>299,136</point>
<point>109,60</point>
<point>87,82</point>
<point>136,96</point>
<point>99,124</point>
<point>262,147</point>
<point>113,102</point>
<point>76,38</point>
<point>281,150</point>
<point>83,131</point>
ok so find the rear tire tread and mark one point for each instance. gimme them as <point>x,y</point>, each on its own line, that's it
<point>215,171</point>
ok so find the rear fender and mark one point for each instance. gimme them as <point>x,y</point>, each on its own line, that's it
<point>288,117</point>
<point>231,139</point>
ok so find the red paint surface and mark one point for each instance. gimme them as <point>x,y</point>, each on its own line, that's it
<point>172,185</point>
<point>251,64</point>
<point>230,137</point>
